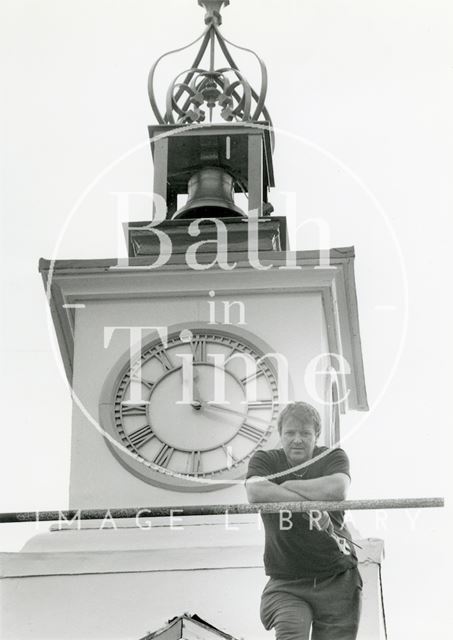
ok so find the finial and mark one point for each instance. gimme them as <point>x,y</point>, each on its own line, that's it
<point>213,10</point>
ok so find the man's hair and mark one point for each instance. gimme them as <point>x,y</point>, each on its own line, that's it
<point>303,412</point>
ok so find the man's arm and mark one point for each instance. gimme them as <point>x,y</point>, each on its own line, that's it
<point>333,487</point>
<point>262,490</point>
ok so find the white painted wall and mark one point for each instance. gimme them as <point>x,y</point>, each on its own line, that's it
<point>121,583</point>
<point>97,478</point>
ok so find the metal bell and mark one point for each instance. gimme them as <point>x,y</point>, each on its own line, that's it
<point>210,195</point>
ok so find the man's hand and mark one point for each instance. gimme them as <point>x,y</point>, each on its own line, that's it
<point>334,487</point>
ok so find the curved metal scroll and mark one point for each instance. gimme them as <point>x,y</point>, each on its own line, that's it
<point>197,92</point>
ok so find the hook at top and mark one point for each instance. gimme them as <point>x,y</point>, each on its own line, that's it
<point>213,7</point>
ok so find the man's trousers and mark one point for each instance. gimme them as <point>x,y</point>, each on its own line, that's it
<point>330,607</point>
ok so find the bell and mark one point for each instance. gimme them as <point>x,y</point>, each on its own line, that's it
<point>210,195</point>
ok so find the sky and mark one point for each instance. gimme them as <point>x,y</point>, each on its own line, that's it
<point>360,95</point>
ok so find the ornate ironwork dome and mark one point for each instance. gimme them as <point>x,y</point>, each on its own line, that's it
<point>205,90</point>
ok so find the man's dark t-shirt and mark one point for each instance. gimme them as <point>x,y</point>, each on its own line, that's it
<point>302,551</point>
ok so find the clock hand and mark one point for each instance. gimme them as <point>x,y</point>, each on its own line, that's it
<point>191,392</point>
<point>197,401</point>
<point>220,407</point>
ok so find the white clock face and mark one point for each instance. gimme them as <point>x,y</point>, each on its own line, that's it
<point>190,415</point>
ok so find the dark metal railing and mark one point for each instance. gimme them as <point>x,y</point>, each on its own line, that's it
<point>220,509</point>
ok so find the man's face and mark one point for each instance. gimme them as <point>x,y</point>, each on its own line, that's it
<point>298,440</point>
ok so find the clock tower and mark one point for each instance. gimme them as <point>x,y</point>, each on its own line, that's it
<point>181,356</point>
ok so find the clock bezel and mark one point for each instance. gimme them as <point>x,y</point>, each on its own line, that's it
<point>146,471</point>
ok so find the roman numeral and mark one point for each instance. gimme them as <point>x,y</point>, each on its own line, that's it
<point>194,463</point>
<point>133,409</point>
<point>140,436</point>
<point>199,350</point>
<point>146,383</point>
<point>260,404</point>
<point>251,432</point>
<point>252,376</point>
<point>164,360</point>
<point>163,456</point>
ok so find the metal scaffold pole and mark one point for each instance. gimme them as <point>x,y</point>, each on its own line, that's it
<point>221,509</point>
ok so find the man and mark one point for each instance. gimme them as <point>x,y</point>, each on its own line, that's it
<point>314,581</point>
